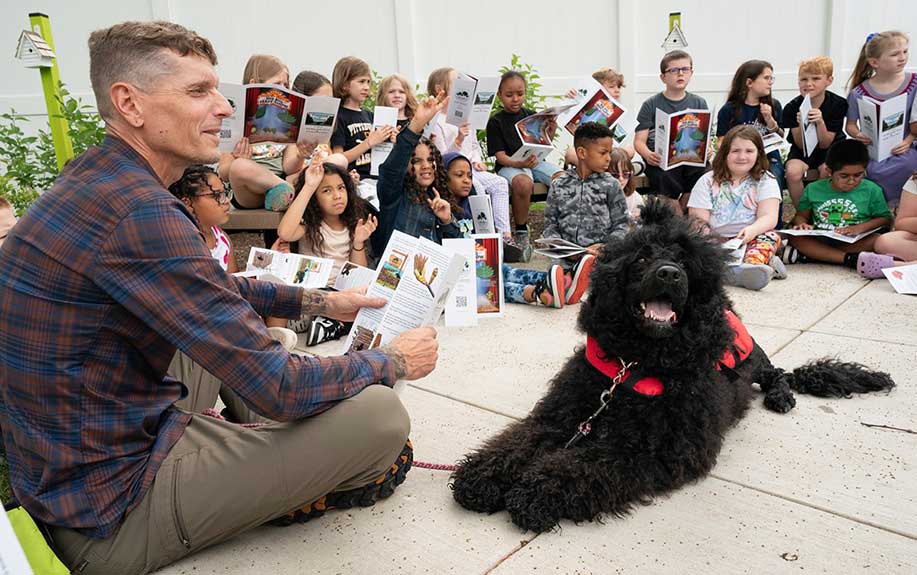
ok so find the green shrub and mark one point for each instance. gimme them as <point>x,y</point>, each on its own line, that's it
<point>29,163</point>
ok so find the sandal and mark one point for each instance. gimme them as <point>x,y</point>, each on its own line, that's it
<point>870,264</point>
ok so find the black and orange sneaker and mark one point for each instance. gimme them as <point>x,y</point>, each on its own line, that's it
<point>364,496</point>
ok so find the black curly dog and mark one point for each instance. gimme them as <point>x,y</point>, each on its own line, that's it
<point>656,299</point>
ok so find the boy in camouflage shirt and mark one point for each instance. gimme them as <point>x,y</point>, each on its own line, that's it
<point>586,205</point>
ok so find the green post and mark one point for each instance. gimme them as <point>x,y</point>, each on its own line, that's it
<point>50,83</point>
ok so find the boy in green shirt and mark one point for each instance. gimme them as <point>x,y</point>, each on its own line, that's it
<point>845,203</point>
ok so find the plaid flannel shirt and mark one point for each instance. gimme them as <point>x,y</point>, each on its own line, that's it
<point>103,278</point>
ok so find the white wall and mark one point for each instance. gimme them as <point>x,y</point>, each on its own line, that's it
<point>563,39</point>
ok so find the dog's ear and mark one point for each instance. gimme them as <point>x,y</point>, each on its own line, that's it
<point>658,210</point>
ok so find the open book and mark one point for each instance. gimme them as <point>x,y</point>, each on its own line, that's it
<point>534,133</point>
<point>883,122</point>
<point>268,113</point>
<point>415,277</point>
<point>682,138</point>
<point>353,276</point>
<point>902,278</point>
<point>291,269</point>
<point>828,234</point>
<point>471,100</point>
<point>593,104</point>
<point>809,131</point>
<point>557,248</point>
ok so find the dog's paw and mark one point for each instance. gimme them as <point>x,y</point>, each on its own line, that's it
<point>779,401</point>
<point>532,509</point>
<point>475,488</point>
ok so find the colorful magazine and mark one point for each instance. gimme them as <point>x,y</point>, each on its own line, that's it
<point>683,138</point>
<point>534,133</point>
<point>593,104</point>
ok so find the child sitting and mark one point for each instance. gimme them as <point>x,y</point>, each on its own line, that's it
<point>502,142</point>
<point>846,203</point>
<point>448,138</point>
<point>879,73</point>
<point>677,69</point>
<point>828,113</point>
<point>740,199</point>
<point>519,285</point>
<point>586,205</point>
<point>622,169</point>
<point>328,221</point>
<point>751,101</point>
<point>897,248</point>
<point>354,135</point>
<point>256,172</point>
<point>395,92</point>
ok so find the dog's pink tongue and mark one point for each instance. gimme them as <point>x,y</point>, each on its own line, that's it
<point>659,310</point>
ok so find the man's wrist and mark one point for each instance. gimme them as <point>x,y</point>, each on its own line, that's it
<point>314,302</point>
<point>397,358</point>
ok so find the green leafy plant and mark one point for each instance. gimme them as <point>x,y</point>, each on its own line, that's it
<point>374,82</point>
<point>29,162</point>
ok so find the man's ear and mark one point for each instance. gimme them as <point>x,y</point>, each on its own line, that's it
<point>127,101</point>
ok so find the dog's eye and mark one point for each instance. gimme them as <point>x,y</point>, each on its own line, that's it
<point>642,260</point>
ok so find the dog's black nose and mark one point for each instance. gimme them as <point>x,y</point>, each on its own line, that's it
<point>668,274</point>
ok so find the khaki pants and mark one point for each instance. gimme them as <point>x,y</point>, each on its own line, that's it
<point>221,479</point>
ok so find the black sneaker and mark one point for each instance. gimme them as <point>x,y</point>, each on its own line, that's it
<point>324,329</point>
<point>364,496</point>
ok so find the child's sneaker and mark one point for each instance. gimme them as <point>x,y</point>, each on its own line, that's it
<point>279,197</point>
<point>364,496</point>
<point>580,282</point>
<point>550,291</point>
<point>750,276</point>
<point>324,329</point>
<point>511,252</point>
<point>521,239</point>
<point>779,268</point>
<point>793,256</point>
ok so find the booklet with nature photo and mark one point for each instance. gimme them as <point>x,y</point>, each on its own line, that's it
<point>291,269</point>
<point>809,130</point>
<point>461,307</point>
<point>682,138</point>
<point>353,276</point>
<point>415,277</point>
<point>883,122</point>
<point>382,116</point>
<point>269,113</point>
<point>557,248</point>
<point>535,133</point>
<point>482,213</point>
<point>828,234</point>
<point>593,104</point>
<point>471,100</point>
<point>773,141</point>
<point>902,278</point>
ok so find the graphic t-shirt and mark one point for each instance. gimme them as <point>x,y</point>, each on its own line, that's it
<point>353,127</point>
<point>732,208</point>
<point>832,209</point>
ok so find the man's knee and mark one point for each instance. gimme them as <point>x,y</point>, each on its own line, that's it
<point>385,416</point>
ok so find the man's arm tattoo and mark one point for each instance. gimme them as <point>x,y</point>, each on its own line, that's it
<point>314,302</point>
<point>397,358</point>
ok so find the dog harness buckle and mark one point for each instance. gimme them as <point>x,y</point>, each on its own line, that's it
<point>584,428</point>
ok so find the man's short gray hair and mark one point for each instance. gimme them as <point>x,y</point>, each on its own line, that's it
<point>135,52</point>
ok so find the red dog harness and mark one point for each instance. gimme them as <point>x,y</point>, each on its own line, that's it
<point>733,355</point>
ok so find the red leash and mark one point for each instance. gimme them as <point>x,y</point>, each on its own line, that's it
<point>435,466</point>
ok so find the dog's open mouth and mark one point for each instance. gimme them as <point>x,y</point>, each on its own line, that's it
<point>658,312</point>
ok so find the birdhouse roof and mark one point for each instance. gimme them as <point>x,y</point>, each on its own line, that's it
<point>675,39</point>
<point>37,42</point>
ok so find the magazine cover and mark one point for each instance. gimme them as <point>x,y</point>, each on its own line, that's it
<point>488,260</point>
<point>272,114</point>
<point>682,138</point>
<point>594,104</point>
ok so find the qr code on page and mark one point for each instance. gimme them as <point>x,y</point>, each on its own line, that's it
<point>458,114</point>
<point>461,301</point>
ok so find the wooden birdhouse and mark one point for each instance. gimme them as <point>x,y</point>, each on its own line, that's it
<point>33,51</point>
<point>675,40</point>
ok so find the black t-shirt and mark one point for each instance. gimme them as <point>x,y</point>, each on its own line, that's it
<point>402,123</point>
<point>833,111</point>
<point>748,115</point>
<point>353,126</point>
<point>502,135</point>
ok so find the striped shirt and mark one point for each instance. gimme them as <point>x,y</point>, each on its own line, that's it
<point>103,278</point>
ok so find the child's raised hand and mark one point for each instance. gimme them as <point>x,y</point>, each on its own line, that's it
<point>242,149</point>
<point>314,174</point>
<point>571,94</point>
<point>364,229</point>
<point>463,132</point>
<point>815,116</point>
<point>441,208</point>
<point>429,107</point>
<point>863,138</point>
<point>379,135</point>
<point>767,112</point>
<point>281,246</point>
<point>355,176</point>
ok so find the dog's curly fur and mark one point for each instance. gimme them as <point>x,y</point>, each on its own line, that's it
<point>641,445</point>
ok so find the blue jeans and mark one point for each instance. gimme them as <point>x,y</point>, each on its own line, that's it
<point>515,280</point>
<point>541,173</point>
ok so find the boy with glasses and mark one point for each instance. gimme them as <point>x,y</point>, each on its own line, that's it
<point>676,70</point>
<point>845,202</point>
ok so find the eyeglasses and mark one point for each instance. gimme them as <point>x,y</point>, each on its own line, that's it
<point>850,177</point>
<point>622,174</point>
<point>682,70</point>
<point>221,197</point>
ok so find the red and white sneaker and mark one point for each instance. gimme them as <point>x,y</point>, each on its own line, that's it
<point>550,291</point>
<point>580,280</point>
